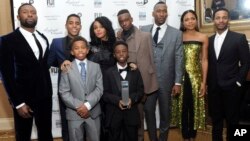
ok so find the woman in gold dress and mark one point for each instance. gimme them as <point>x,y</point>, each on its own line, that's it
<point>189,107</point>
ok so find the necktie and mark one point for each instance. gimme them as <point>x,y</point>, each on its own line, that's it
<point>39,47</point>
<point>83,71</point>
<point>121,70</point>
<point>156,34</point>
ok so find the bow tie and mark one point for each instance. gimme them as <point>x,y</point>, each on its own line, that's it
<point>125,69</point>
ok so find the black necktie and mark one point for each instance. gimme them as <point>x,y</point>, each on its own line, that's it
<point>39,47</point>
<point>121,70</point>
<point>156,34</point>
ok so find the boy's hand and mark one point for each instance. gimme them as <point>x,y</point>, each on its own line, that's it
<point>82,111</point>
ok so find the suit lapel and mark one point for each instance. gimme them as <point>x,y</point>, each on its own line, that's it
<point>225,44</point>
<point>76,71</point>
<point>47,44</point>
<point>22,41</point>
<point>166,39</point>
<point>212,50</point>
<point>117,76</point>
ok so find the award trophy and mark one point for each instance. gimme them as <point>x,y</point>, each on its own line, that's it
<point>125,93</point>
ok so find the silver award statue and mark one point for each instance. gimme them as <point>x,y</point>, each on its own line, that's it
<point>125,93</point>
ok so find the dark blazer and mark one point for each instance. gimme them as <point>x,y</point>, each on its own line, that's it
<point>59,51</point>
<point>112,96</point>
<point>26,79</point>
<point>226,71</point>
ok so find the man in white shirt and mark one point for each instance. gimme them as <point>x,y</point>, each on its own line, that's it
<point>23,62</point>
<point>228,61</point>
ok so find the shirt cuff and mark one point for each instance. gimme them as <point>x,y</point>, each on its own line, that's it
<point>238,83</point>
<point>87,105</point>
<point>20,105</point>
<point>179,84</point>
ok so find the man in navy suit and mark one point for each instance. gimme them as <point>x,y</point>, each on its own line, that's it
<point>23,62</point>
<point>59,52</point>
<point>228,66</point>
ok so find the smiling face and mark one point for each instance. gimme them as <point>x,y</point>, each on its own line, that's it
<point>100,31</point>
<point>27,16</point>
<point>73,26</point>
<point>79,50</point>
<point>121,54</point>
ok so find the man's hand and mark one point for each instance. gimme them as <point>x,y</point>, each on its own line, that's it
<point>83,112</point>
<point>66,65</point>
<point>176,90</point>
<point>25,111</point>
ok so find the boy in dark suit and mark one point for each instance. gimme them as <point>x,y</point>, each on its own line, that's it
<point>81,89</point>
<point>122,120</point>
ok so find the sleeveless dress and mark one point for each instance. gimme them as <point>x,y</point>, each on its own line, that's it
<point>193,73</point>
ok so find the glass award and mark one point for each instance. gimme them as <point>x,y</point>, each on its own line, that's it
<point>125,92</point>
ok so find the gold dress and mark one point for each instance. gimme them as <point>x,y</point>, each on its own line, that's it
<point>193,70</point>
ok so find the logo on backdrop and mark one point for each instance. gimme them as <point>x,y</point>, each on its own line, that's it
<point>97,15</point>
<point>142,16</point>
<point>50,3</point>
<point>141,2</point>
<point>97,3</point>
<point>31,1</point>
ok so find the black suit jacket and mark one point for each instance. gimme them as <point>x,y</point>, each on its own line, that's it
<point>226,71</point>
<point>112,96</point>
<point>26,79</point>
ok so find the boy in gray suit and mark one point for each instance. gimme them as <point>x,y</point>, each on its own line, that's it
<point>81,88</point>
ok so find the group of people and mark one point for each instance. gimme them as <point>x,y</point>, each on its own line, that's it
<point>154,63</point>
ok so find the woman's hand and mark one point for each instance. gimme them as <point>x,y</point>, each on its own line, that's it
<point>66,65</point>
<point>203,90</point>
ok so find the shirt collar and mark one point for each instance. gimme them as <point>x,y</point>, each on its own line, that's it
<point>163,26</point>
<point>25,32</point>
<point>121,67</point>
<point>223,34</point>
<point>78,61</point>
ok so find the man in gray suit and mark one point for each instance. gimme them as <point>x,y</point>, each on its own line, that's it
<point>168,58</point>
<point>81,88</point>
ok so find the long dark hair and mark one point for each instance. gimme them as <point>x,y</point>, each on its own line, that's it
<point>107,24</point>
<point>182,28</point>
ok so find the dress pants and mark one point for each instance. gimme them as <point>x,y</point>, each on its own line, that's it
<point>42,113</point>
<point>224,103</point>
<point>164,99</point>
<point>64,123</point>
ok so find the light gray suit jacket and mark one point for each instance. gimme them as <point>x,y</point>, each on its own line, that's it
<point>171,68</point>
<point>74,93</point>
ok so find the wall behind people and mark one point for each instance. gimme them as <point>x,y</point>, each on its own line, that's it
<point>6,115</point>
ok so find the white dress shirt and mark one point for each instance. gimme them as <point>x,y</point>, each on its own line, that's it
<point>218,41</point>
<point>79,68</point>
<point>161,31</point>
<point>124,73</point>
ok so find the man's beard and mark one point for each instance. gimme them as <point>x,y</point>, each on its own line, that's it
<point>28,24</point>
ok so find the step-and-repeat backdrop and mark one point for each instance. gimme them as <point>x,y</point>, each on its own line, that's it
<point>52,16</point>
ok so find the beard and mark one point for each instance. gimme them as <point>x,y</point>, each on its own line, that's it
<point>27,24</point>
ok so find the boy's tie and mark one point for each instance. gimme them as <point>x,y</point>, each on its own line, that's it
<point>83,71</point>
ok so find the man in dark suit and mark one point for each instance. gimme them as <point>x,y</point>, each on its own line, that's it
<point>228,66</point>
<point>141,53</point>
<point>59,52</point>
<point>122,119</point>
<point>168,58</point>
<point>23,61</point>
